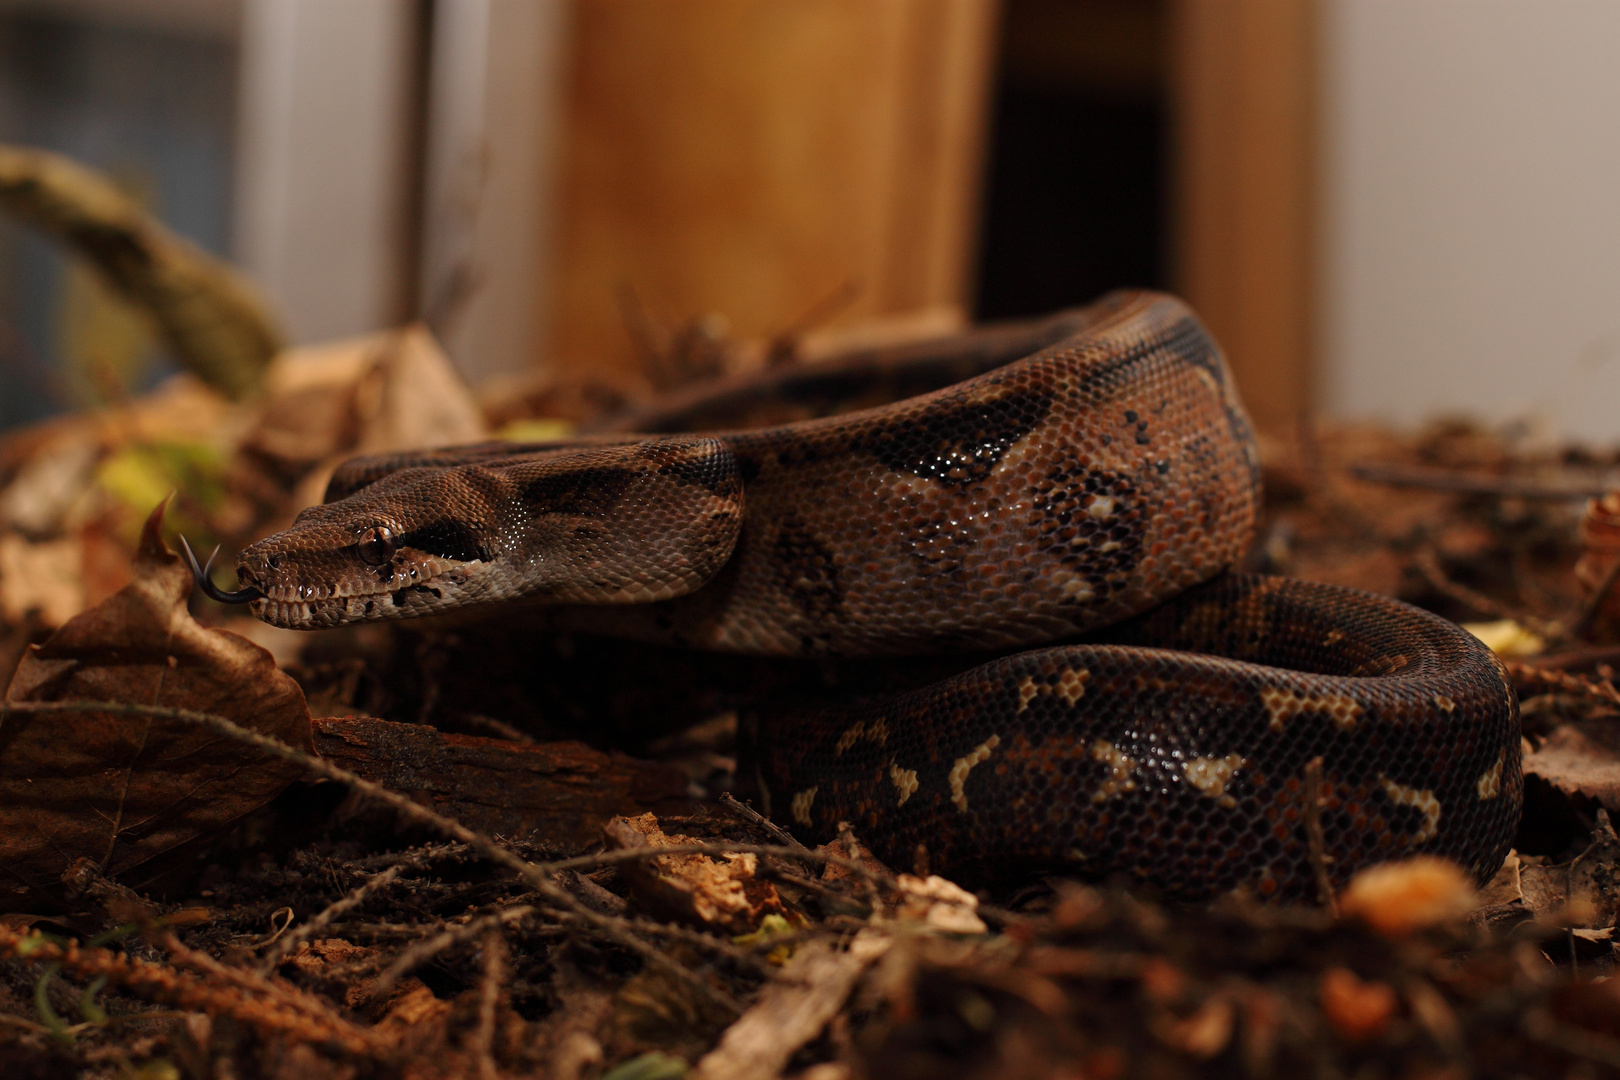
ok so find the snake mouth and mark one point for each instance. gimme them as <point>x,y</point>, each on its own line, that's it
<point>200,574</point>
<point>427,587</point>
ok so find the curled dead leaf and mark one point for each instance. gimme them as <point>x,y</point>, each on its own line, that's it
<point>1396,898</point>
<point>940,905</point>
<point>724,892</point>
<point>1357,1010</point>
<point>120,789</point>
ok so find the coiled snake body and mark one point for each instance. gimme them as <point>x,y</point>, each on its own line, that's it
<point>1092,470</point>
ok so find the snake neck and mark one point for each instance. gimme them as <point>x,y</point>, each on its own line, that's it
<point>609,525</point>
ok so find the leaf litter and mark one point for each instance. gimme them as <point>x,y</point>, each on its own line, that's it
<point>234,852</point>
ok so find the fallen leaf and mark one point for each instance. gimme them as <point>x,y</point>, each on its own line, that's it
<point>392,390</point>
<point>1577,765</point>
<point>940,904</point>
<point>1206,1032</point>
<point>1505,886</point>
<point>1506,637</point>
<point>122,789</point>
<point>40,577</point>
<point>1544,887</point>
<point>1357,1010</point>
<point>1396,898</point>
<point>52,478</point>
<point>1594,878</point>
<point>724,892</point>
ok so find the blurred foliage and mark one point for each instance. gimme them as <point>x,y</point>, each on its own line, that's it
<point>211,317</point>
<point>141,475</point>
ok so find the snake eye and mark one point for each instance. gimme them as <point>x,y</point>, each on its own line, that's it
<point>377,546</point>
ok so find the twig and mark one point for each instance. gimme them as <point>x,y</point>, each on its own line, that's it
<point>266,988</point>
<point>790,1013</point>
<point>1428,563</point>
<point>354,899</point>
<point>1530,677</point>
<point>416,858</point>
<point>846,836</point>
<point>754,817</point>
<point>1578,657</point>
<point>1322,490</point>
<point>209,314</point>
<point>1314,838</point>
<point>535,876</point>
<point>636,854</point>
<point>312,1023</point>
<point>499,727</point>
<point>489,996</point>
<point>287,915</point>
<point>771,828</point>
<point>1540,1024</point>
<point>1594,603</point>
<point>424,951</point>
<point>1475,483</point>
<point>784,345</point>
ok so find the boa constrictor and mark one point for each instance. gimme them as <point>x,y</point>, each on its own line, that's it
<point>1091,470</point>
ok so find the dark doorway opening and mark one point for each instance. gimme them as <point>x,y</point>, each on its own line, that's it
<point>1076,188</point>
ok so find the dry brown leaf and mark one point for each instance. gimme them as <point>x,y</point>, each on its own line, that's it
<point>1396,898</point>
<point>940,905</point>
<point>40,577</point>
<point>1577,765</point>
<point>119,789</point>
<point>1357,1010</point>
<point>724,892</point>
<point>51,478</point>
<point>392,390</point>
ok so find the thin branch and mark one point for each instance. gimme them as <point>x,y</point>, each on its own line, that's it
<point>535,876</point>
<point>423,951</point>
<point>754,817</point>
<point>1477,483</point>
<point>637,854</point>
<point>1594,603</point>
<point>310,1022</point>
<point>1428,563</point>
<point>356,897</point>
<point>1529,678</point>
<point>489,997</point>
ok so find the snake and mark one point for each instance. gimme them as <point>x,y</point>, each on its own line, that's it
<point>1070,495</point>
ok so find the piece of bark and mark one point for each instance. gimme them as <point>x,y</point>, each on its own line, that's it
<point>121,789</point>
<point>792,1011</point>
<point>563,791</point>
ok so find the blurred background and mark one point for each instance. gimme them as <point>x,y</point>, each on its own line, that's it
<point>1390,209</point>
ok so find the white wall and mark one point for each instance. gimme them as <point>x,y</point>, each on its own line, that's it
<point>1471,199</point>
<point>494,110</point>
<point>323,168</point>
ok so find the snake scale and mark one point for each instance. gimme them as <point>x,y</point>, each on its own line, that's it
<point>1083,483</point>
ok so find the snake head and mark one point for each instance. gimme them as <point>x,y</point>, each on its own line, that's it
<point>617,524</point>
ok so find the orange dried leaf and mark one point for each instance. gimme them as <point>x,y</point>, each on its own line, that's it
<point>120,790</point>
<point>1396,898</point>
<point>1357,1010</point>
<point>724,892</point>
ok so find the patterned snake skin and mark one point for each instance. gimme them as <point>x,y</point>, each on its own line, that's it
<point>1091,470</point>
